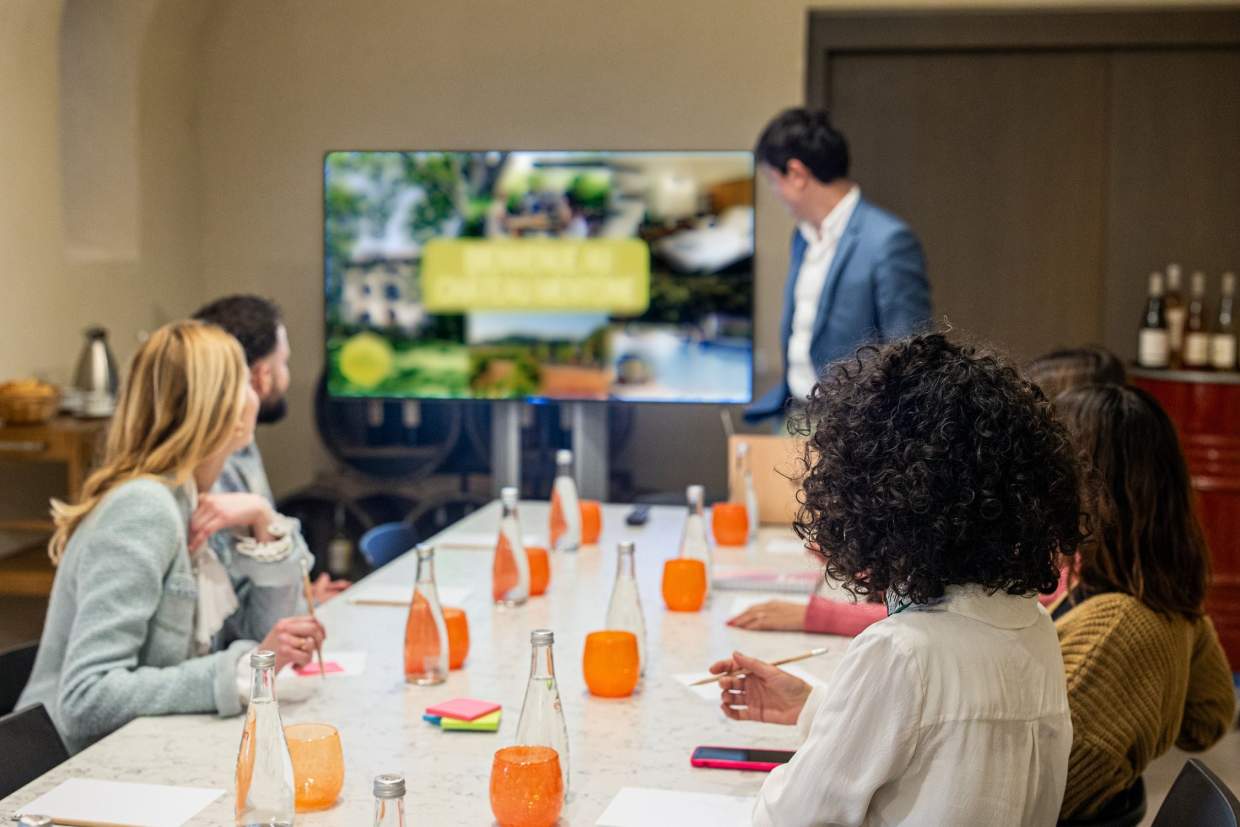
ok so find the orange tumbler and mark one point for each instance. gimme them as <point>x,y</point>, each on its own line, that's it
<point>611,663</point>
<point>318,765</point>
<point>730,522</point>
<point>540,569</point>
<point>591,522</point>
<point>684,584</point>
<point>527,789</point>
<point>458,636</point>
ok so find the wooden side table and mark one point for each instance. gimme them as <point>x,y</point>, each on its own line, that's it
<point>66,440</point>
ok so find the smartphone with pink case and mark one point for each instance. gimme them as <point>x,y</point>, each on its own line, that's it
<point>740,758</point>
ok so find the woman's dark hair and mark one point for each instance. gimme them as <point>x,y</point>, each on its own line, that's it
<point>929,464</point>
<point>1145,539</point>
<point>253,320</point>
<point>807,135</point>
<point>1063,370</point>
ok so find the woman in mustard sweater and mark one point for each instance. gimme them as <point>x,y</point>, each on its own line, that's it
<point>1144,667</point>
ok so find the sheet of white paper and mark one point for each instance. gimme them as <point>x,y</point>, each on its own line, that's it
<point>784,545</point>
<point>351,664</point>
<point>480,540</point>
<point>121,802</point>
<point>743,601</point>
<point>401,595</point>
<point>641,806</point>
<point>710,691</point>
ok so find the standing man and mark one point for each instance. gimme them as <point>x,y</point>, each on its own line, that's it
<point>857,273</point>
<point>256,323</point>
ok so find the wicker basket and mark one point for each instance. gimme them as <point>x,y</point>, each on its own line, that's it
<point>27,408</point>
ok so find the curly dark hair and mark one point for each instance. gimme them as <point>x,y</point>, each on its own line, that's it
<point>929,464</point>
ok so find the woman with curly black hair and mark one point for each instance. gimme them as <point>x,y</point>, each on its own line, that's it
<point>937,476</point>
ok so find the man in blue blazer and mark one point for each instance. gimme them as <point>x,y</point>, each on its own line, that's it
<point>857,273</point>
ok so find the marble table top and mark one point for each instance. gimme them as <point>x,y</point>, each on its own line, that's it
<point>645,740</point>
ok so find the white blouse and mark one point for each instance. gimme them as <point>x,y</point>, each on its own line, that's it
<point>949,714</point>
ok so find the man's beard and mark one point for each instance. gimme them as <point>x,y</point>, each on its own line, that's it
<point>272,412</point>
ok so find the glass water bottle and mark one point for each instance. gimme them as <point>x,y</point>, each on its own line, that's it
<point>565,506</point>
<point>426,634</point>
<point>389,800</point>
<point>695,542</point>
<point>264,769</point>
<point>624,611</point>
<point>748,494</point>
<point>510,571</point>
<point>542,717</point>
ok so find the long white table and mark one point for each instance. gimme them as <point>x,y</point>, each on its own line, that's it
<point>644,740</point>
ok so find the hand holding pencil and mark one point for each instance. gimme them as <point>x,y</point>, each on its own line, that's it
<point>754,690</point>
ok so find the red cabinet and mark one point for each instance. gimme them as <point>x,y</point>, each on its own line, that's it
<point>1206,409</point>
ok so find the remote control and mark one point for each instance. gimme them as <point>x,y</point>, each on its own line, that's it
<point>638,515</point>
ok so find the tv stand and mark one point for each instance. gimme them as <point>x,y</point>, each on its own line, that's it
<point>588,422</point>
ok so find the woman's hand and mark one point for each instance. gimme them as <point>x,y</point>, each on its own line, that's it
<point>772,616</point>
<point>216,512</point>
<point>294,640</point>
<point>324,588</point>
<point>764,692</point>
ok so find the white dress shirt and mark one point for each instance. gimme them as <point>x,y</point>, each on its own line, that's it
<point>951,714</point>
<point>822,242</point>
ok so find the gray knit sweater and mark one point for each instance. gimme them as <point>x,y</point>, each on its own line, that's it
<point>119,635</point>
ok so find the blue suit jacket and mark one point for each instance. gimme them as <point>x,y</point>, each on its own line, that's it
<point>876,291</point>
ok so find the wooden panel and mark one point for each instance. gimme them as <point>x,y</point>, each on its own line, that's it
<point>1208,419</point>
<point>1174,181</point>
<point>997,161</point>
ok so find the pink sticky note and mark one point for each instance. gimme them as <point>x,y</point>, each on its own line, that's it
<point>462,709</point>
<point>312,668</point>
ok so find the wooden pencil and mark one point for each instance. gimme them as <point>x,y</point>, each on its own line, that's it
<point>812,653</point>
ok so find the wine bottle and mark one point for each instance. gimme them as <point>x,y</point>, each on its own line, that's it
<point>1153,340</point>
<point>1197,326</point>
<point>1223,342</point>
<point>1176,314</point>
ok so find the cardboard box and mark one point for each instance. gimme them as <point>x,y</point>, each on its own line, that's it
<point>777,467</point>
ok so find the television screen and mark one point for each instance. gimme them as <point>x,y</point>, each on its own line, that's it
<point>540,275</point>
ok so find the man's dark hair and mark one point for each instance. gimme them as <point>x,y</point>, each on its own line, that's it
<point>807,135</point>
<point>1062,370</point>
<point>253,320</point>
<point>930,464</point>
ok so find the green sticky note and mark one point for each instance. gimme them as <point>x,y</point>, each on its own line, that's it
<point>487,723</point>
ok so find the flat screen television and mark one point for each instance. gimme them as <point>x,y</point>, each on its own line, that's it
<point>612,276</point>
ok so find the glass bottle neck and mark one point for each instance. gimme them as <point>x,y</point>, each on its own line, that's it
<point>542,663</point>
<point>263,684</point>
<point>626,565</point>
<point>389,812</point>
<point>426,572</point>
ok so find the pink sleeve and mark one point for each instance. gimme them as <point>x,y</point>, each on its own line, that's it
<point>833,617</point>
<point>1048,599</point>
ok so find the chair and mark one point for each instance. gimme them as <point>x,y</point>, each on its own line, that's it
<point>1200,798</point>
<point>1124,810</point>
<point>16,664</point>
<point>29,747</point>
<point>384,543</point>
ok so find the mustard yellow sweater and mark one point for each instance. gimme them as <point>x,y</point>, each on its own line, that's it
<point>1138,682</point>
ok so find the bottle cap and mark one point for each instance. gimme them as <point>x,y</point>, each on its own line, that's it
<point>390,785</point>
<point>626,547</point>
<point>563,457</point>
<point>1229,281</point>
<point>695,493</point>
<point>262,659</point>
<point>742,448</point>
<point>1199,281</point>
<point>540,637</point>
<point>425,551</point>
<point>1173,274</point>
<point>508,496</point>
<point>35,821</point>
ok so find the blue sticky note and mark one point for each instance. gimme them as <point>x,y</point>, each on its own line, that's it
<point>431,719</point>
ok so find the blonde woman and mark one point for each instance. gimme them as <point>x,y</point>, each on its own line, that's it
<point>135,606</point>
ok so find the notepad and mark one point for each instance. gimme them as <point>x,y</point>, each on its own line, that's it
<point>122,802</point>
<point>486,723</point>
<point>340,663</point>
<point>641,806</point>
<point>757,579</point>
<point>402,596</point>
<point>463,709</point>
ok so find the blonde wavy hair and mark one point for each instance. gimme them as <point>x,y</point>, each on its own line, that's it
<point>181,403</point>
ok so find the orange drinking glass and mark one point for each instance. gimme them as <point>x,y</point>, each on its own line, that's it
<point>591,522</point>
<point>611,663</point>
<point>540,569</point>
<point>684,584</point>
<point>458,636</point>
<point>730,522</point>
<point>527,789</point>
<point>318,765</point>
